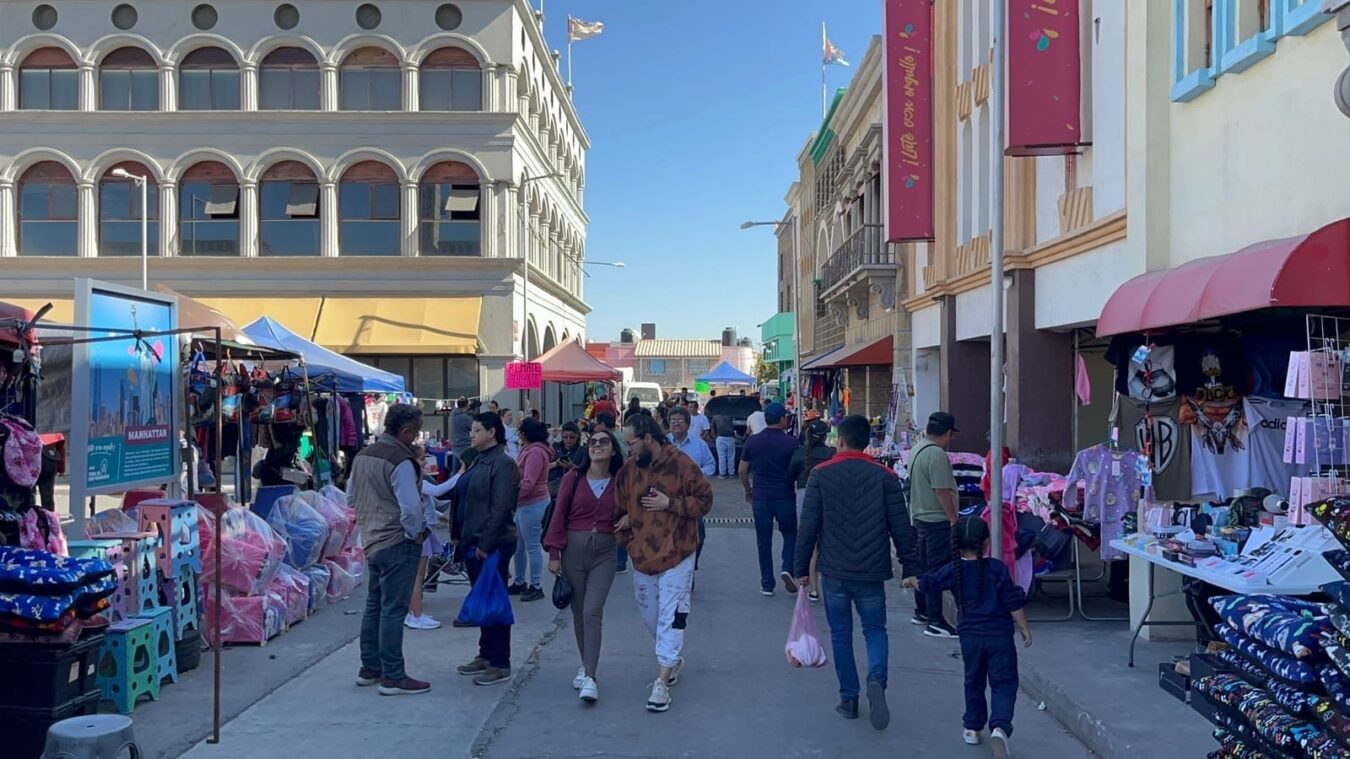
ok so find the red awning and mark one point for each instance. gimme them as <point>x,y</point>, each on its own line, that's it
<point>11,317</point>
<point>569,362</point>
<point>823,361</point>
<point>876,353</point>
<point>1310,271</point>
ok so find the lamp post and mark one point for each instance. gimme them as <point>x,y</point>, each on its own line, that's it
<point>525,256</point>
<point>144,184</point>
<point>796,293</point>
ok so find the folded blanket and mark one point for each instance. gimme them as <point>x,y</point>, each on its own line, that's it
<point>24,570</point>
<point>1283,623</point>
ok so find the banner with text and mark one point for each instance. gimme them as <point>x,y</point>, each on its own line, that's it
<point>524,375</point>
<point>1045,78</point>
<point>909,120</point>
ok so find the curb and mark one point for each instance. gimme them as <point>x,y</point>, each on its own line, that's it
<point>1078,721</point>
<point>507,707</point>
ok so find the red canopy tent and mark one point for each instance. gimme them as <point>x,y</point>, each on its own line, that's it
<point>569,363</point>
<point>12,319</point>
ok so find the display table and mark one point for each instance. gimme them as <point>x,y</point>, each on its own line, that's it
<point>1309,579</point>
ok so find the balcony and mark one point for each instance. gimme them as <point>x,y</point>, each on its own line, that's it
<point>863,254</point>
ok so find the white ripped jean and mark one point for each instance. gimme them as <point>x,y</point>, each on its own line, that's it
<point>663,600</point>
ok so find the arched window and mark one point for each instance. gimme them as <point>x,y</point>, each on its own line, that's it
<point>288,200</point>
<point>289,81</point>
<point>119,212</point>
<point>48,211</point>
<point>371,81</point>
<point>49,80</point>
<point>208,211</point>
<point>450,80</point>
<point>369,201</point>
<point>449,211</point>
<point>208,80</point>
<point>128,80</point>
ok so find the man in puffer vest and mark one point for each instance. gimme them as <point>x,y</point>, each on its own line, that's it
<point>385,490</point>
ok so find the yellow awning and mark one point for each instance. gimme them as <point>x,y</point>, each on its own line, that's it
<point>63,309</point>
<point>296,314</point>
<point>399,325</point>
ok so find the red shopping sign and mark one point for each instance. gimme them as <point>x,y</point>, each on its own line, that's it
<point>524,375</point>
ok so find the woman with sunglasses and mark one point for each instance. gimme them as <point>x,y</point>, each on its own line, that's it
<point>581,543</point>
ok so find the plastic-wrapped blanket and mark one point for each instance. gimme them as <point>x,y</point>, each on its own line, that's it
<point>292,586</point>
<point>341,583</point>
<point>318,575</point>
<point>245,619</point>
<point>304,529</point>
<point>339,519</point>
<point>251,550</point>
<point>353,560</point>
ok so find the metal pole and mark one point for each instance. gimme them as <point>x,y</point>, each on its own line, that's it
<point>824,100</point>
<point>797,316</point>
<point>569,54</point>
<point>525,256</point>
<point>996,112</point>
<point>145,236</point>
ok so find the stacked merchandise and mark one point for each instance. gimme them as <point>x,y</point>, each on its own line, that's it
<point>251,553</point>
<point>178,570</point>
<point>49,645</point>
<point>317,530</point>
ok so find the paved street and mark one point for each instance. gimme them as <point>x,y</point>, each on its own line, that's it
<point>737,696</point>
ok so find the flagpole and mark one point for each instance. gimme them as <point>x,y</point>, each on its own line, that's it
<point>823,98</point>
<point>569,51</point>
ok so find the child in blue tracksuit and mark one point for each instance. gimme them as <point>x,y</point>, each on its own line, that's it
<point>989,603</point>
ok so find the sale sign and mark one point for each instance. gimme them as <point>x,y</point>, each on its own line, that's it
<point>908,122</point>
<point>524,375</point>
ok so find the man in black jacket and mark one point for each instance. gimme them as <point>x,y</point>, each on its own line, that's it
<point>853,509</point>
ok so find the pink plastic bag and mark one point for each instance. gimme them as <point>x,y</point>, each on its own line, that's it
<point>803,647</point>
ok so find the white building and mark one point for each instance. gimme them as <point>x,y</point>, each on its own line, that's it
<point>352,169</point>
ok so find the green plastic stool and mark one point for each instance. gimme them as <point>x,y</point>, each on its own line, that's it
<point>128,667</point>
<point>166,654</point>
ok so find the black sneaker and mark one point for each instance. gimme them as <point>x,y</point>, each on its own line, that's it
<point>848,708</point>
<point>516,588</point>
<point>476,667</point>
<point>876,701</point>
<point>458,623</point>
<point>939,630</point>
<point>789,582</point>
<point>532,593</point>
<point>919,620</point>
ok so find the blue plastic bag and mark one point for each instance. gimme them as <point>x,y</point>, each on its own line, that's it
<point>487,604</point>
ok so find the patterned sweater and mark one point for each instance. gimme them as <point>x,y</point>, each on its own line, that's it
<point>658,540</point>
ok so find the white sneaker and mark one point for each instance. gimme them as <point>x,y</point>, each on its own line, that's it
<point>590,692</point>
<point>420,623</point>
<point>971,737</point>
<point>430,622</point>
<point>659,700</point>
<point>999,739</point>
<point>580,679</point>
<point>675,671</point>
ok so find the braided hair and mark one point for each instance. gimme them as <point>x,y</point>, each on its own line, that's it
<point>971,534</point>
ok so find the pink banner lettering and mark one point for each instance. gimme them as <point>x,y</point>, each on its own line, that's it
<point>524,375</point>
<point>909,120</point>
<point>1045,92</point>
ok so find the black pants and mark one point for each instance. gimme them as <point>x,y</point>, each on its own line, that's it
<point>494,642</point>
<point>933,542</point>
<point>990,660</point>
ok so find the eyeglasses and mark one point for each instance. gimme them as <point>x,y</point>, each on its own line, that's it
<point>599,442</point>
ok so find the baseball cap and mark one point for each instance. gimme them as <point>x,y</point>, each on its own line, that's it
<point>940,423</point>
<point>774,413</point>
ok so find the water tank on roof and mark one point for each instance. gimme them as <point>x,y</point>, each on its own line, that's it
<point>626,337</point>
<point>728,337</point>
<point>648,330</point>
<point>745,342</point>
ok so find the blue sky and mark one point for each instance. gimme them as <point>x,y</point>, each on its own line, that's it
<point>696,111</point>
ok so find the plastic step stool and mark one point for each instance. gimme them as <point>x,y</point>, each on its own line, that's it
<point>128,667</point>
<point>176,524</point>
<point>166,657</point>
<point>180,595</point>
<point>97,736</point>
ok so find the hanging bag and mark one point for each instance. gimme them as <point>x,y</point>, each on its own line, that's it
<point>803,647</point>
<point>487,604</point>
<point>562,592</point>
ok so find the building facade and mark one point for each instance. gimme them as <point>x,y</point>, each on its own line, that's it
<point>359,171</point>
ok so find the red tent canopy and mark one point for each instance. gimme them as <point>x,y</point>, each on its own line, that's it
<point>10,318</point>
<point>1309,271</point>
<point>569,362</point>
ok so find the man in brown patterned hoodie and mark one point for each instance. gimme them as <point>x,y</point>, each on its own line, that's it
<point>660,494</point>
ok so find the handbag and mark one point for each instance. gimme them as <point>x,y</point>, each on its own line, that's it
<point>487,604</point>
<point>562,592</point>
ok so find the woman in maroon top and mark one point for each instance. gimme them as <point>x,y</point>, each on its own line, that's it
<point>580,542</point>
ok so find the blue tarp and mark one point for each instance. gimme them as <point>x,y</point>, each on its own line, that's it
<point>725,374</point>
<point>326,368</point>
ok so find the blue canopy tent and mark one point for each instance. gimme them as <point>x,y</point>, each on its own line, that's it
<point>327,369</point>
<point>725,374</point>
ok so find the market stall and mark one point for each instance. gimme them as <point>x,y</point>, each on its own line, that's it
<point>568,364</point>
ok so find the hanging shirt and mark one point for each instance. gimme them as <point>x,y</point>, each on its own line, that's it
<point>1211,367</point>
<point>1170,453</point>
<point>1267,420</point>
<point>1130,374</point>
<point>1110,480</point>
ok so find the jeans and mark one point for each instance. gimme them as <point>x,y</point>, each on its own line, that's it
<point>933,543</point>
<point>785,512</point>
<point>663,601</point>
<point>991,659</point>
<point>530,530</point>
<point>494,642</point>
<point>588,563</point>
<point>393,571</point>
<point>726,456</point>
<point>841,597</point>
<point>621,559</point>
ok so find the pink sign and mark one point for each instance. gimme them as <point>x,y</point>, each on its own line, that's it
<point>909,120</point>
<point>1045,92</point>
<point>524,375</point>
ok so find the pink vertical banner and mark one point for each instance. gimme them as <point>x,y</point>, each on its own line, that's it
<point>1045,78</point>
<point>908,120</point>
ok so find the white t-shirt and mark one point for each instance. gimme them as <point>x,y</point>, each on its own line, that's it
<point>1266,422</point>
<point>697,424</point>
<point>756,423</point>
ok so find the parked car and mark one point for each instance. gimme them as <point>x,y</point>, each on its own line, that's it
<point>649,394</point>
<point>739,408</point>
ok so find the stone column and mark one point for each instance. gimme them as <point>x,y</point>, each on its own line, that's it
<point>168,218</point>
<point>88,224</point>
<point>9,218</point>
<point>328,220</point>
<point>493,87</point>
<point>489,214</point>
<point>964,379</point>
<point>410,221</point>
<point>328,83</point>
<point>411,90</point>
<point>1040,383</point>
<point>249,87</point>
<point>9,88</point>
<point>510,222</point>
<point>248,219</point>
<point>88,87</point>
<point>168,87</point>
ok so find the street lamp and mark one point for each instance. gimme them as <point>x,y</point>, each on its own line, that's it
<point>525,255</point>
<point>144,184</point>
<point>614,264</point>
<point>796,290</point>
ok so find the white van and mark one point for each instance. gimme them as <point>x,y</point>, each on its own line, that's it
<point>649,394</point>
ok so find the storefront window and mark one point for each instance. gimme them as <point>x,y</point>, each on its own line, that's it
<point>432,378</point>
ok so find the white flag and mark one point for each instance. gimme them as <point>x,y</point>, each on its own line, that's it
<point>578,30</point>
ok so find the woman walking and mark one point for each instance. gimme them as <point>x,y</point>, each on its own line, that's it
<point>581,546</point>
<point>534,461</point>
<point>490,487</point>
<point>804,459</point>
